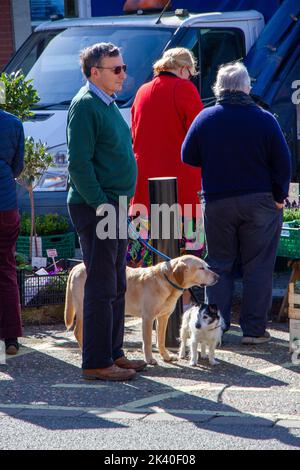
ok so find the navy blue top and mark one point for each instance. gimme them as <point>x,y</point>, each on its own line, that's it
<point>11,158</point>
<point>241,149</point>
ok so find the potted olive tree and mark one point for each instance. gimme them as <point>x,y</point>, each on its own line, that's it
<point>36,162</point>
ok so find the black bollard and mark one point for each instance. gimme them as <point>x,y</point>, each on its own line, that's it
<point>164,191</point>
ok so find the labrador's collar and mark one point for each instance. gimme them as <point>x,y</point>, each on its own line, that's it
<point>173,284</point>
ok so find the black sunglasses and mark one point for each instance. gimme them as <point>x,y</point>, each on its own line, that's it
<point>116,70</point>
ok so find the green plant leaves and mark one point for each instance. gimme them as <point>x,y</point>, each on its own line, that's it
<point>291,214</point>
<point>36,162</point>
<point>48,224</point>
<point>20,95</point>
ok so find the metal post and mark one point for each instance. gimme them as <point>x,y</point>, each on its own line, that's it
<point>164,191</point>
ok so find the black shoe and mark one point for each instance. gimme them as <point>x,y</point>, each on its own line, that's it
<point>12,346</point>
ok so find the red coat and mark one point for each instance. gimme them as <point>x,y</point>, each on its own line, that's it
<point>162,113</point>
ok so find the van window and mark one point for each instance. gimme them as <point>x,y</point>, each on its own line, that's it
<point>51,59</point>
<point>212,47</point>
<point>218,46</point>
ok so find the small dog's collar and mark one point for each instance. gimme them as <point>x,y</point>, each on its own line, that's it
<point>174,285</point>
<point>215,328</point>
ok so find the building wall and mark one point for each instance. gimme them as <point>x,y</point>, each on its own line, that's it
<point>21,21</point>
<point>6,32</point>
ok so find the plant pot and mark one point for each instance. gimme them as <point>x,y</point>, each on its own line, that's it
<point>289,245</point>
<point>63,243</point>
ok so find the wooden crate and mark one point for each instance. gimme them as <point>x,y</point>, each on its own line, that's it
<point>294,303</point>
<point>295,276</point>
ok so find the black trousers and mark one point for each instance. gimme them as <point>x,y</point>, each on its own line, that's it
<point>104,292</point>
<point>243,232</point>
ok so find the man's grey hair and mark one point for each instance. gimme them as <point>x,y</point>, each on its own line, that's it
<point>231,77</point>
<point>92,56</point>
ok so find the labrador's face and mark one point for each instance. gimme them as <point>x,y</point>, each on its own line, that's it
<point>192,271</point>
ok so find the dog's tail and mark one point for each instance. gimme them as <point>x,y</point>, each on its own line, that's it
<point>69,307</point>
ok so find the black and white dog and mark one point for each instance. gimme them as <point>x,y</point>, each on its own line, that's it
<point>202,324</point>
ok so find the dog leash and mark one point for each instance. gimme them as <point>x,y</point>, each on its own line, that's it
<point>145,243</point>
<point>162,255</point>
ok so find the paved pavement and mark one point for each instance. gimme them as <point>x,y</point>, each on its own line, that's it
<point>251,400</point>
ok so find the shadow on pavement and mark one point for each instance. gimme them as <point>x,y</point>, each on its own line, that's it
<point>45,388</point>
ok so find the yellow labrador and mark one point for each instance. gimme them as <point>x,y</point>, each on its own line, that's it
<point>151,294</point>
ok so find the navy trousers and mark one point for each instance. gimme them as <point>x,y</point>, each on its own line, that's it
<point>104,292</point>
<point>243,232</point>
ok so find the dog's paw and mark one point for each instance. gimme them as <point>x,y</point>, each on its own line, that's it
<point>170,358</point>
<point>193,363</point>
<point>151,361</point>
<point>204,356</point>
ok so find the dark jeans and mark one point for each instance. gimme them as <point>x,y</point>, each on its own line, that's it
<point>10,310</point>
<point>104,292</point>
<point>244,231</point>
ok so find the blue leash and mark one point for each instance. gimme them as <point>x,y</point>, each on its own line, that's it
<point>146,244</point>
<point>154,250</point>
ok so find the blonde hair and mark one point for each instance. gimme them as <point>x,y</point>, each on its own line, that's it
<point>175,58</point>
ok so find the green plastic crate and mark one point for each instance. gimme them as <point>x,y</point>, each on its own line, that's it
<point>64,245</point>
<point>289,245</point>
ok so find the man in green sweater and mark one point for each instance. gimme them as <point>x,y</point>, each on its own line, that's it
<point>102,169</point>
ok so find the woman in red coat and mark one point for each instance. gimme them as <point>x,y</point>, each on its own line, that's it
<point>162,113</point>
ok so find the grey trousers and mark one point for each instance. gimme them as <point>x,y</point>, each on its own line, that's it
<point>243,232</point>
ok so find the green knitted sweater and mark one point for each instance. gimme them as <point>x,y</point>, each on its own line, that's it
<point>101,160</point>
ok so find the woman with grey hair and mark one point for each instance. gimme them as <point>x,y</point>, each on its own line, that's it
<point>232,78</point>
<point>246,171</point>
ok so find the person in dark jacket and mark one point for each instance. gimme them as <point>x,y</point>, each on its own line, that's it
<point>11,166</point>
<point>246,171</point>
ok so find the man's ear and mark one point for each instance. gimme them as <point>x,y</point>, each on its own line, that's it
<point>178,273</point>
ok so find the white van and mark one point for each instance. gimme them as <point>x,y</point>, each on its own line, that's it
<point>50,57</point>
